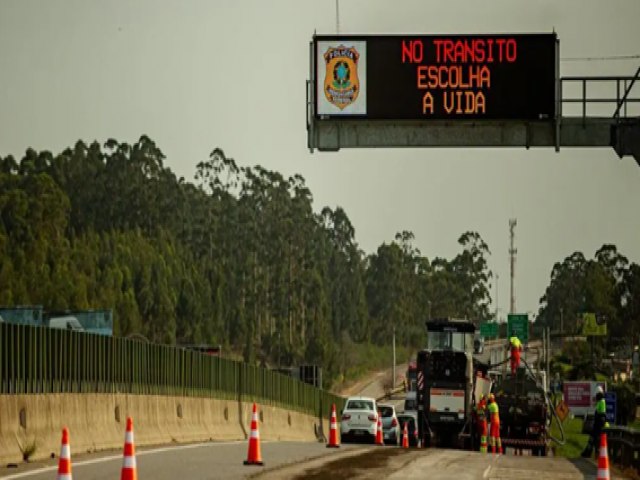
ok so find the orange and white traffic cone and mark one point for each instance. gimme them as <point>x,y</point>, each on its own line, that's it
<point>129,467</point>
<point>405,437</point>
<point>603,459</point>
<point>64,464</point>
<point>379,437</point>
<point>333,429</point>
<point>254,457</point>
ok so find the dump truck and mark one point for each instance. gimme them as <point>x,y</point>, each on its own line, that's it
<point>525,414</point>
<point>450,381</point>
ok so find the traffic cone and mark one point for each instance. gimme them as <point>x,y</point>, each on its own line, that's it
<point>129,468</point>
<point>603,459</point>
<point>254,457</point>
<point>405,437</point>
<point>333,430</point>
<point>64,464</point>
<point>379,437</point>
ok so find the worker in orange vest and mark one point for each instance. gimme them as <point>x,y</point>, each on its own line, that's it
<point>494,435</point>
<point>481,419</point>
<point>516,348</point>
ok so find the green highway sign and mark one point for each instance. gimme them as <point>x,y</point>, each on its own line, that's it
<point>518,326</point>
<point>489,329</point>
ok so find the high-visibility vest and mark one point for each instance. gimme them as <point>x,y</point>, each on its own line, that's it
<point>494,411</point>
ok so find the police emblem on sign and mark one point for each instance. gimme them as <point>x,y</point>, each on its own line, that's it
<point>341,83</point>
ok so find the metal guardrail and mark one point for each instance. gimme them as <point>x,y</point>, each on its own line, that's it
<point>624,446</point>
<point>40,360</point>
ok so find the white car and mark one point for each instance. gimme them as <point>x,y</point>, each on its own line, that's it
<point>359,419</point>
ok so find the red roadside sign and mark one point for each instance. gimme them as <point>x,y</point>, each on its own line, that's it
<point>577,394</point>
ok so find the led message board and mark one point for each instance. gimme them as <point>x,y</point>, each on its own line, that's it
<point>440,77</point>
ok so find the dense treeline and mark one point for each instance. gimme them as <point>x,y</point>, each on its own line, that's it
<point>238,257</point>
<point>608,285</point>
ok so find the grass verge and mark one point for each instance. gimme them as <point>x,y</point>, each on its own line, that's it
<point>575,439</point>
<point>360,359</point>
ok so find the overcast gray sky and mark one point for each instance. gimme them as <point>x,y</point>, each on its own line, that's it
<point>194,75</point>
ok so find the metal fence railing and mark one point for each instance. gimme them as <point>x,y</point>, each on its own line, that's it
<point>624,447</point>
<point>41,360</point>
<point>600,96</point>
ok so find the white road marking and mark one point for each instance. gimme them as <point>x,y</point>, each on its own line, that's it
<point>486,472</point>
<point>117,457</point>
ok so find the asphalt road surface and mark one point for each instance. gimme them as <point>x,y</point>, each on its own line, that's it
<point>313,461</point>
<point>182,462</point>
<point>398,464</point>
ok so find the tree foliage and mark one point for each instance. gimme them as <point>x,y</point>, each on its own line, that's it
<point>608,285</point>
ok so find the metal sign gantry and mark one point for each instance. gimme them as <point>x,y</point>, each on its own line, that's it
<point>619,129</point>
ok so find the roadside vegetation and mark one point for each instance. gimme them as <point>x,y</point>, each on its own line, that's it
<point>240,256</point>
<point>575,439</point>
<point>360,360</point>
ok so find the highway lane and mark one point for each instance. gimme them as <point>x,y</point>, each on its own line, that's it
<point>194,461</point>
<point>197,461</point>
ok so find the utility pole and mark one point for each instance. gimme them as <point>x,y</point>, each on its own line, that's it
<point>393,370</point>
<point>548,354</point>
<point>497,279</point>
<point>512,256</point>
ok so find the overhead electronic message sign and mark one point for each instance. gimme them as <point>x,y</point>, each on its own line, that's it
<point>438,77</point>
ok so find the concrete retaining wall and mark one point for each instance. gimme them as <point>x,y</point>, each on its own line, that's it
<point>97,422</point>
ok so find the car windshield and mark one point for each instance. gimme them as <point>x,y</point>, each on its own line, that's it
<point>386,411</point>
<point>360,405</point>
<point>458,341</point>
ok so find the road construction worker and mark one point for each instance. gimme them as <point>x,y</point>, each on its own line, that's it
<point>599,422</point>
<point>481,422</point>
<point>516,348</point>
<point>494,434</point>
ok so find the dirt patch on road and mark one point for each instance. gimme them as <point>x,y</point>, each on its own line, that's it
<point>358,466</point>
